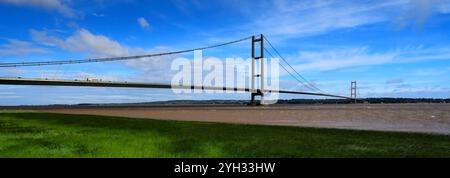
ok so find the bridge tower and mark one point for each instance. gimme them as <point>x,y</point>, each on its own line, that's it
<point>257,91</point>
<point>353,91</point>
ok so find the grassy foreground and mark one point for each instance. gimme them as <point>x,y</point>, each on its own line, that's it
<point>32,134</point>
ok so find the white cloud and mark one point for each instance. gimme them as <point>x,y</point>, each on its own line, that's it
<point>444,8</point>
<point>308,18</point>
<point>418,12</point>
<point>17,47</point>
<point>98,15</point>
<point>362,56</point>
<point>394,81</point>
<point>83,41</point>
<point>287,19</point>
<point>153,69</point>
<point>338,59</point>
<point>428,72</point>
<point>60,6</point>
<point>143,23</point>
<point>406,91</point>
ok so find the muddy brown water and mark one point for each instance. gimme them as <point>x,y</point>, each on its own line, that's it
<point>425,118</point>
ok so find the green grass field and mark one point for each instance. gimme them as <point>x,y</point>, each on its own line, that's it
<point>33,134</point>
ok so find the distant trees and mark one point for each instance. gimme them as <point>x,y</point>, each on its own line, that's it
<point>291,101</point>
<point>365,100</point>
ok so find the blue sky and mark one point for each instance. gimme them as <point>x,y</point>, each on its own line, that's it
<point>395,48</point>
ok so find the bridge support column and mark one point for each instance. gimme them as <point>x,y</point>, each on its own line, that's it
<point>353,91</point>
<point>257,91</point>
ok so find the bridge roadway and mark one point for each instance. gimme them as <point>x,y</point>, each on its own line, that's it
<point>85,83</point>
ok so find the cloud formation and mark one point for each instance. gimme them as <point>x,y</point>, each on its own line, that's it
<point>333,59</point>
<point>417,12</point>
<point>308,18</point>
<point>60,6</point>
<point>17,47</point>
<point>153,69</point>
<point>284,19</point>
<point>82,41</point>
<point>143,23</point>
<point>394,81</point>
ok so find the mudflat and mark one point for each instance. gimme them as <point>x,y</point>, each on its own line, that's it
<point>421,117</point>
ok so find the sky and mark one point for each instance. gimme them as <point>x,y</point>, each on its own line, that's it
<point>392,48</point>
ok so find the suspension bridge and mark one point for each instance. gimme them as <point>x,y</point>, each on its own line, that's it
<point>256,90</point>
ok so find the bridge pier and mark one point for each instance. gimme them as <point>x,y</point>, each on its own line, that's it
<point>353,91</point>
<point>260,90</point>
<point>253,98</point>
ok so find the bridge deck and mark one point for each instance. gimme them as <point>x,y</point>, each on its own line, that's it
<point>52,82</point>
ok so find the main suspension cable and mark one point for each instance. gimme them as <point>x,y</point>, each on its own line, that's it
<point>63,62</point>
<point>306,81</point>
<point>293,76</point>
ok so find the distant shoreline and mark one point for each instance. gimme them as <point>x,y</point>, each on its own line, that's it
<point>203,103</point>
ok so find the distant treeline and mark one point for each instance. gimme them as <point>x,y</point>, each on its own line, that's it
<point>364,100</point>
<point>291,101</point>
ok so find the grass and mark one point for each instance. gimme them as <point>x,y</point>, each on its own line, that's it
<point>35,134</point>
